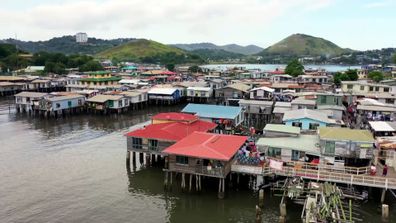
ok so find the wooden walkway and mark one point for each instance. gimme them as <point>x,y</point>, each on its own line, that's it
<point>320,175</point>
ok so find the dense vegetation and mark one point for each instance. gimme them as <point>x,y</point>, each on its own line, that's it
<point>349,75</point>
<point>376,76</point>
<point>148,51</point>
<point>12,59</point>
<point>67,45</point>
<point>294,68</point>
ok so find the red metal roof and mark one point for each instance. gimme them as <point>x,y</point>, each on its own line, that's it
<point>207,146</point>
<point>174,131</point>
<point>168,73</point>
<point>175,116</point>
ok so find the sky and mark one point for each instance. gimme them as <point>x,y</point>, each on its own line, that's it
<point>355,24</point>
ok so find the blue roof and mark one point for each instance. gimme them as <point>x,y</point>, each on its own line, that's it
<point>213,111</point>
<point>129,68</point>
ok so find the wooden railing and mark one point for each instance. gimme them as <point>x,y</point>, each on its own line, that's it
<point>318,174</point>
<point>347,175</point>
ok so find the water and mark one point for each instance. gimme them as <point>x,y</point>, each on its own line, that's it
<point>73,170</point>
<point>272,67</point>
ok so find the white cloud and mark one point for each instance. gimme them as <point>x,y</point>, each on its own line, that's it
<point>167,21</point>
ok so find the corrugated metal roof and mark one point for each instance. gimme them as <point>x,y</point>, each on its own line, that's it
<point>165,91</point>
<point>31,94</point>
<point>213,111</point>
<point>283,104</point>
<point>380,126</point>
<point>174,131</point>
<point>174,116</point>
<point>282,128</point>
<point>239,86</point>
<point>66,97</point>
<point>199,88</point>
<point>256,102</point>
<point>103,98</point>
<point>264,89</point>
<point>301,101</point>
<point>280,110</point>
<point>305,143</point>
<point>376,108</point>
<point>207,146</point>
<point>345,134</point>
<point>306,113</point>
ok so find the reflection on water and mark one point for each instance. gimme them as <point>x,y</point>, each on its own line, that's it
<point>73,170</point>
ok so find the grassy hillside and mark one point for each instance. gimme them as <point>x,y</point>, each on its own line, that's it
<point>138,49</point>
<point>304,45</point>
<point>149,51</point>
<point>233,48</point>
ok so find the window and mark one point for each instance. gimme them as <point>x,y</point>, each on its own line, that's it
<point>203,93</point>
<point>329,148</point>
<point>297,124</point>
<point>313,126</point>
<point>191,93</point>
<point>386,89</point>
<point>69,103</point>
<point>57,105</point>
<point>120,103</point>
<point>27,99</point>
<point>349,86</point>
<point>137,143</point>
<point>274,152</point>
<point>323,100</point>
<point>376,88</point>
<point>153,144</point>
<point>371,89</point>
<point>362,88</point>
<point>140,97</point>
<point>79,102</point>
<point>295,155</point>
<point>183,160</point>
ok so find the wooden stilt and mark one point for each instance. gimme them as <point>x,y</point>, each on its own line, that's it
<point>190,182</point>
<point>385,212</point>
<point>128,158</point>
<point>383,196</point>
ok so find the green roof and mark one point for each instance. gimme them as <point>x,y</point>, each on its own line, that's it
<point>282,128</point>
<point>98,72</point>
<point>345,134</point>
<point>101,79</point>
<point>305,143</point>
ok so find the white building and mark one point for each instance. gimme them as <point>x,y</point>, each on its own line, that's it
<point>81,38</point>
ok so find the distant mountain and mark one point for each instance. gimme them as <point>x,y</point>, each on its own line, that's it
<point>67,45</point>
<point>233,48</point>
<point>304,45</point>
<point>216,54</point>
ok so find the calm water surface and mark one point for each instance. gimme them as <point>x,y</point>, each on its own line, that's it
<point>272,67</point>
<point>73,170</point>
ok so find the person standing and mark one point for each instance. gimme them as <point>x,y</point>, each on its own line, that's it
<point>385,170</point>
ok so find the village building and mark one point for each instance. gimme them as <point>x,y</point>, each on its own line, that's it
<point>58,105</point>
<point>346,147</point>
<point>382,129</point>
<point>282,78</point>
<point>305,79</point>
<point>308,119</point>
<point>261,93</point>
<point>199,94</point>
<point>230,94</point>
<point>363,88</point>
<point>300,103</point>
<point>10,88</point>
<point>303,148</point>
<point>257,113</point>
<point>100,80</point>
<point>164,95</point>
<point>107,103</point>
<point>28,101</point>
<point>280,108</point>
<point>280,130</point>
<point>203,154</point>
<point>226,116</point>
<point>166,129</point>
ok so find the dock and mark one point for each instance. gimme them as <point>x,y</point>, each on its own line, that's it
<point>321,173</point>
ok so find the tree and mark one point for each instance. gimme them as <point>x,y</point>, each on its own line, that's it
<point>294,68</point>
<point>194,69</point>
<point>376,76</point>
<point>91,66</point>
<point>352,74</point>
<point>170,67</point>
<point>52,67</point>
<point>394,58</point>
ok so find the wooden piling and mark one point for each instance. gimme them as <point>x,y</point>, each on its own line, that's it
<point>261,197</point>
<point>190,182</point>
<point>383,196</point>
<point>128,158</point>
<point>258,215</point>
<point>385,212</point>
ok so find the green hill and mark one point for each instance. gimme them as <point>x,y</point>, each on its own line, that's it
<point>138,49</point>
<point>304,45</point>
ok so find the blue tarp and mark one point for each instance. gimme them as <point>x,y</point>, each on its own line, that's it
<point>213,111</point>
